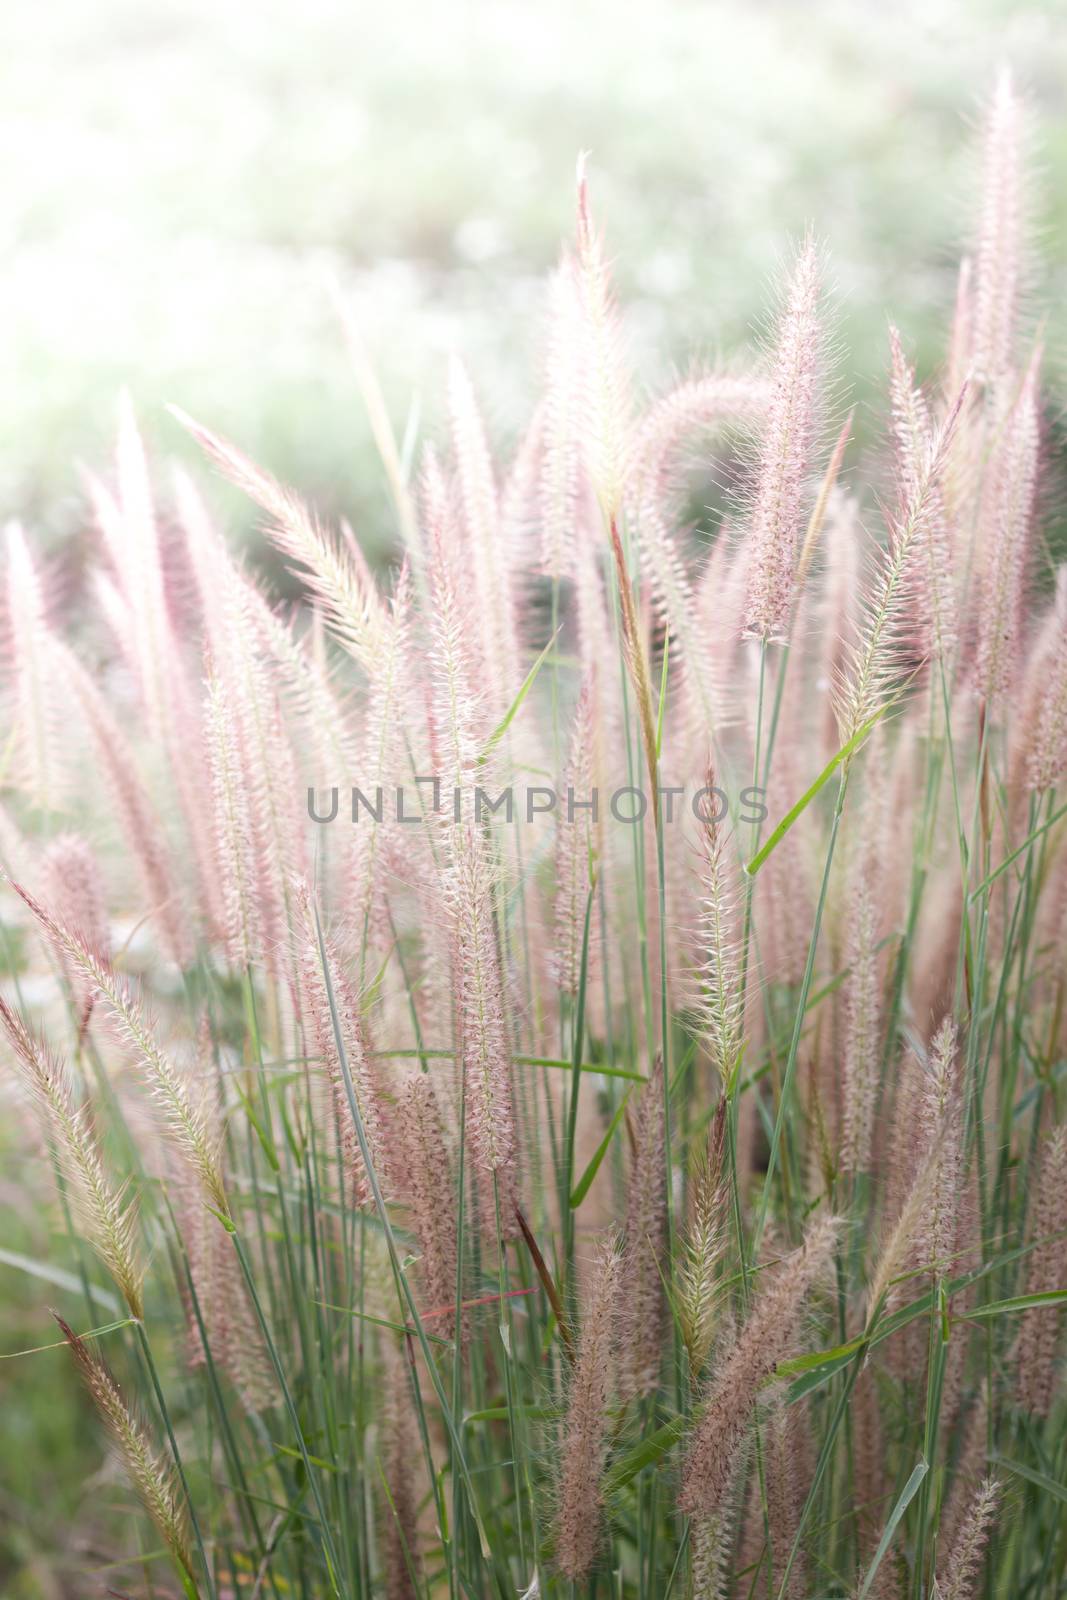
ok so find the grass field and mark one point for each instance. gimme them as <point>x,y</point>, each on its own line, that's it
<point>419,1179</point>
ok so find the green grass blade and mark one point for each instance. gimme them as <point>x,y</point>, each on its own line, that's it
<point>907,1494</point>
<point>500,1414</point>
<point>816,1358</point>
<point>796,811</point>
<point>554,1063</point>
<point>58,1278</point>
<point>1018,1302</point>
<point>57,1344</point>
<point>980,888</point>
<point>502,727</point>
<point>662,695</point>
<point>648,1453</point>
<point>581,1188</point>
<point>1040,1480</point>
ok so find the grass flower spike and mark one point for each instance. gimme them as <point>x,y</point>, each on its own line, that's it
<point>785,457</point>
<point>146,1471</point>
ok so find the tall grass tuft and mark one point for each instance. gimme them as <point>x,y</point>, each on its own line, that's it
<point>549,1059</point>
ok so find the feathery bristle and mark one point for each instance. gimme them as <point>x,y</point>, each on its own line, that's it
<point>1045,706</point>
<point>901,1243</point>
<point>646,1235</point>
<point>225,594</point>
<point>108,1219</point>
<point>223,1321</point>
<point>958,1579</point>
<point>584,1446</point>
<point>636,658</point>
<point>150,1478</point>
<point>970,1470</point>
<point>767,1336</point>
<point>400,1520</point>
<point>873,662</point>
<point>347,1059</point>
<point>35,709</point>
<point>487,560</point>
<point>71,876</point>
<point>931,578</point>
<point>711,1540</point>
<point>244,941</point>
<point>705,1246</point>
<point>606,426</point>
<point>576,849</point>
<point>184,1119</point>
<point>694,407</point>
<point>484,1032</point>
<point>561,458</point>
<point>460,720</point>
<point>139,823</point>
<point>426,1168</point>
<point>258,838</point>
<point>785,452</point>
<point>718,972</point>
<point>784,1445</point>
<point>940,1124</point>
<point>862,1034</point>
<point>999,257</point>
<point>350,602</point>
<point>1007,511</point>
<point>382,767</point>
<point>128,523</point>
<point>138,610</point>
<point>1039,1342</point>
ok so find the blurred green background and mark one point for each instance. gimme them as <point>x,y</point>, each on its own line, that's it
<point>182,178</point>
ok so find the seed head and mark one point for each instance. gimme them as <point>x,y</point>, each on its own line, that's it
<point>150,1478</point>
<point>786,448</point>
